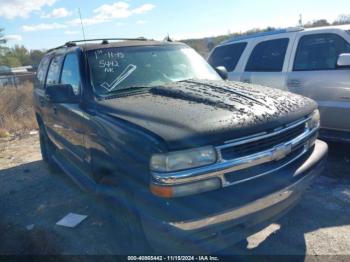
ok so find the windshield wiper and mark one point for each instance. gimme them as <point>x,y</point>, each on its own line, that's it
<point>186,80</point>
<point>128,90</point>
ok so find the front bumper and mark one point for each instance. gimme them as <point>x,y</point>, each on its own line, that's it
<point>219,230</point>
<point>335,135</point>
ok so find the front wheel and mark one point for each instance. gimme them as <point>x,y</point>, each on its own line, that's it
<point>134,240</point>
<point>47,149</point>
<point>125,223</point>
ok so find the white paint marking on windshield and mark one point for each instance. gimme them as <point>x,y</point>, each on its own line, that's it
<point>108,60</point>
<point>108,66</point>
<point>127,71</point>
<point>97,53</point>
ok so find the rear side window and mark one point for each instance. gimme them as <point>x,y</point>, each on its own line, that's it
<point>319,52</point>
<point>54,70</point>
<point>70,72</point>
<point>227,56</point>
<point>268,56</point>
<point>41,73</point>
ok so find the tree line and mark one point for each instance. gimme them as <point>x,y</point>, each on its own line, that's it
<point>18,55</point>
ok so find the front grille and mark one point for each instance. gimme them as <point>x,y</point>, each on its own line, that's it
<point>260,145</point>
<point>240,175</point>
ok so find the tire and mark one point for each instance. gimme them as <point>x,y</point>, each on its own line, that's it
<point>134,240</point>
<point>47,149</point>
<point>125,223</point>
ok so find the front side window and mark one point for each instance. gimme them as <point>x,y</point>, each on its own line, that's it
<point>227,56</point>
<point>54,70</point>
<point>70,72</point>
<point>268,56</point>
<point>319,52</point>
<point>127,68</point>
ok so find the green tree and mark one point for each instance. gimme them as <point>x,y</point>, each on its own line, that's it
<point>317,23</point>
<point>35,57</point>
<point>22,54</point>
<point>18,55</point>
<point>8,58</point>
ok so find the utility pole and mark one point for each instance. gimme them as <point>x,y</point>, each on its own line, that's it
<point>300,20</point>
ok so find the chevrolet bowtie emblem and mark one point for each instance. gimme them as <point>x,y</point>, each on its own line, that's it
<point>281,151</point>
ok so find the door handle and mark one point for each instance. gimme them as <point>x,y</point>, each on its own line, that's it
<point>294,83</point>
<point>41,101</point>
<point>47,97</point>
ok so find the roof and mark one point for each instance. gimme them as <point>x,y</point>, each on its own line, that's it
<point>282,31</point>
<point>92,44</point>
<point>342,27</point>
<point>261,34</point>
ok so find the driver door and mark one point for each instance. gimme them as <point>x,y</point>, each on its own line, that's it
<point>314,73</point>
<point>70,116</point>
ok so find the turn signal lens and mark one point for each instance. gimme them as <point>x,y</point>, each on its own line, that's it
<point>185,189</point>
<point>162,191</point>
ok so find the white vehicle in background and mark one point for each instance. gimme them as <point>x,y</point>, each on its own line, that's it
<point>312,62</point>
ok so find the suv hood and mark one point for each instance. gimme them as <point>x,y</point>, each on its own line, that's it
<point>195,113</point>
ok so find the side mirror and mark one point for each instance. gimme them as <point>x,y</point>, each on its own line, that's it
<point>221,70</point>
<point>61,93</point>
<point>343,61</point>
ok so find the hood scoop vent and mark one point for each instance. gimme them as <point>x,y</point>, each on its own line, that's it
<point>212,94</point>
<point>190,96</point>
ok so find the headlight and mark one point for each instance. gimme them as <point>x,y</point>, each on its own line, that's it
<point>314,121</point>
<point>180,160</point>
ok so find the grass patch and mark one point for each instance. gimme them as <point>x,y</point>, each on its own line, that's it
<point>4,133</point>
<point>16,109</point>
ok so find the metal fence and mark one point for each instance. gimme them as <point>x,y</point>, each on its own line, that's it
<point>16,79</point>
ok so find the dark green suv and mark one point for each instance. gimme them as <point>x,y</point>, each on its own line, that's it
<point>197,163</point>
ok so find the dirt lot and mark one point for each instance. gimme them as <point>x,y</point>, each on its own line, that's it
<point>32,200</point>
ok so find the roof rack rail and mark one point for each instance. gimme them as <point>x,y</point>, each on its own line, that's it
<point>59,47</point>
<point>103,41</point>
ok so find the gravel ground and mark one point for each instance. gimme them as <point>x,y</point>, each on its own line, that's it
<point>32,200</point>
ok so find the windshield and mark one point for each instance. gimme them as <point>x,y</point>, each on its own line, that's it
<point>117,69</point>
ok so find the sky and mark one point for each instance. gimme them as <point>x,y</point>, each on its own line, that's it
<point>43,24</point>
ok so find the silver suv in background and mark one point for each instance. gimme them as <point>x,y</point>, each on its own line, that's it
<point>312,62</point>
